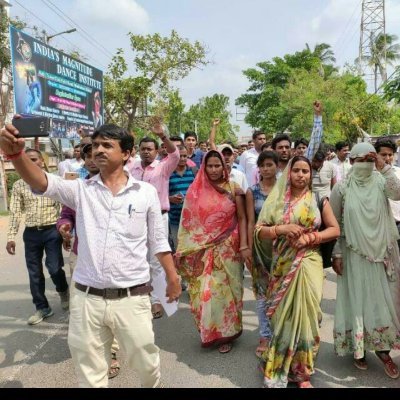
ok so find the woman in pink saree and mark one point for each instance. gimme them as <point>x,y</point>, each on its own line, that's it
<point>212,245</point>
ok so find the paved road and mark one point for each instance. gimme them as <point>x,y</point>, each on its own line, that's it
<point>38,356</point>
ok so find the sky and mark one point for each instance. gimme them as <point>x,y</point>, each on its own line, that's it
<point>237,33</point>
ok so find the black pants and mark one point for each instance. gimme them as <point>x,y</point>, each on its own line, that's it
<point>36,243</point>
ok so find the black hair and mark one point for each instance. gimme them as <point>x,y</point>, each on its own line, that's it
<point>181,147</point>
<point>213,153</point>
<point>295,159</point>
<point>280,138</point>
<point>190,134</point>
<point>38,152</point>
<point>250,141</point>
<point>257,133</point>
<point>86,149</point>
<point>385,142</point>
<point>339,145</point>
<point>267,155</point>
<point>77,146</point>
<point>301,141</point>
<point>114,132</point>
<point>149,140</point>
<point>176,139</point>
<point>319,156</point>
<point>265,145</point>
<point>202,142</point>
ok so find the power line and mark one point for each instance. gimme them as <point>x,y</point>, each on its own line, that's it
<point>82,30</point>
<point>87,36</point>
<point>53,30</point>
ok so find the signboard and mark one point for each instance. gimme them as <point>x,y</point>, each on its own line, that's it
<point>49,83</point>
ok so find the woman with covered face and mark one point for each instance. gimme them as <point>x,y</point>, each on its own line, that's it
<point>366,259</point>
<point>212,245</point>
<point>287,237</point>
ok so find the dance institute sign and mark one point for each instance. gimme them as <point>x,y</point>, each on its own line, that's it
<point>49,83</point>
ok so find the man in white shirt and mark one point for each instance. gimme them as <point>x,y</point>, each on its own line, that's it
<point>117,219</point>
<point>234,174</point>
<point>387,149</point>
<point>248,159</point>
<point>323,175</point>
<point>341,161</point>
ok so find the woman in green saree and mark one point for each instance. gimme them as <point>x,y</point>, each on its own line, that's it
<point>366,259</point>
<point>290,218</point>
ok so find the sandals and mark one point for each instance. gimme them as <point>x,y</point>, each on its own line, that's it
<point>361,364</point>
<point>305,385</point>
<point>114,366</point>
<point>225,348</point>
<point>157,310</point>
<point>391,369</point>
<point>262,347</point>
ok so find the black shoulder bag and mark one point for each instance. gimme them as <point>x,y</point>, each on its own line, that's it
<point>325,248</point>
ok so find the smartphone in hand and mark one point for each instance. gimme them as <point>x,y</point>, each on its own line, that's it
<point>32,126</point>
<point>70,176</point>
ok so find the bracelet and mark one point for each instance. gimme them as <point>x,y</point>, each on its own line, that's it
<point>275,227</point>
<point>337,256</point>
<point>10,157</point>
<point>243,248</point>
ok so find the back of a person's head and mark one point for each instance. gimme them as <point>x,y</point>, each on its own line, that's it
<point>385,142</point>
<point>115,132</point>
<point>279,138</point>
<point>319,156</point>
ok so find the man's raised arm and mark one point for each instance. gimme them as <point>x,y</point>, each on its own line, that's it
<point>13,148</point>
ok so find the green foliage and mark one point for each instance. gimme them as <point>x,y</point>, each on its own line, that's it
<point>200,115</point>
<point>157,62</point>
<point>282,92</point>
<point>11,178</point>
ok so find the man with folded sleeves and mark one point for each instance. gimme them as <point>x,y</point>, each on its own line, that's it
<point>117,218</point>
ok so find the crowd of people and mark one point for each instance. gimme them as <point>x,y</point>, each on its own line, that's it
<point>193,216</point>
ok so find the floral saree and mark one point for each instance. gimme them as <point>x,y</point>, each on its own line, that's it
<point>295,289</point>
<point>208,258</point>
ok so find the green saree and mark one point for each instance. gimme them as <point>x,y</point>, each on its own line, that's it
<point>295,289</point>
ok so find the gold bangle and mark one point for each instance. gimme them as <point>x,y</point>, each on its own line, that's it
<point>243,248</point>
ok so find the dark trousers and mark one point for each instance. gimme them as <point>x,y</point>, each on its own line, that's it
<point>37,242</point>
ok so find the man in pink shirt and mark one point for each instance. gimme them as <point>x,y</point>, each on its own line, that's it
<point>157,173</point>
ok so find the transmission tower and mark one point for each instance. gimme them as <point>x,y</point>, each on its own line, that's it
<point>373,24</point>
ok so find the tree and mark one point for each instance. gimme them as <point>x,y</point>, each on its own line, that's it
<point>376,60</point>
<point>267,83</point>
<point>281,93</point>
<point>199,117</point>
<point>324,53</point>
<point>158,61</point>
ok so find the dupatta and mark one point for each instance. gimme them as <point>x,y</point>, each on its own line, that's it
<point>285,261</point>
<point>208,219</point>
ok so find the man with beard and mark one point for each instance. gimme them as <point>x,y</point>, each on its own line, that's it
<point>281,145</point>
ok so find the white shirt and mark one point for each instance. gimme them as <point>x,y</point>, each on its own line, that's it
<point>342,168</point>
<point>63,166</point>
<point>395,205</point>
<point>114,231</point>
<point>248,161</point>
<point>239,178</point>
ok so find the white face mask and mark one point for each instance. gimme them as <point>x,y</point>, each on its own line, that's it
<point>363,170</point>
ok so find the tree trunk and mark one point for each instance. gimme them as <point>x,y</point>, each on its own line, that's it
<point>376,77</point>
